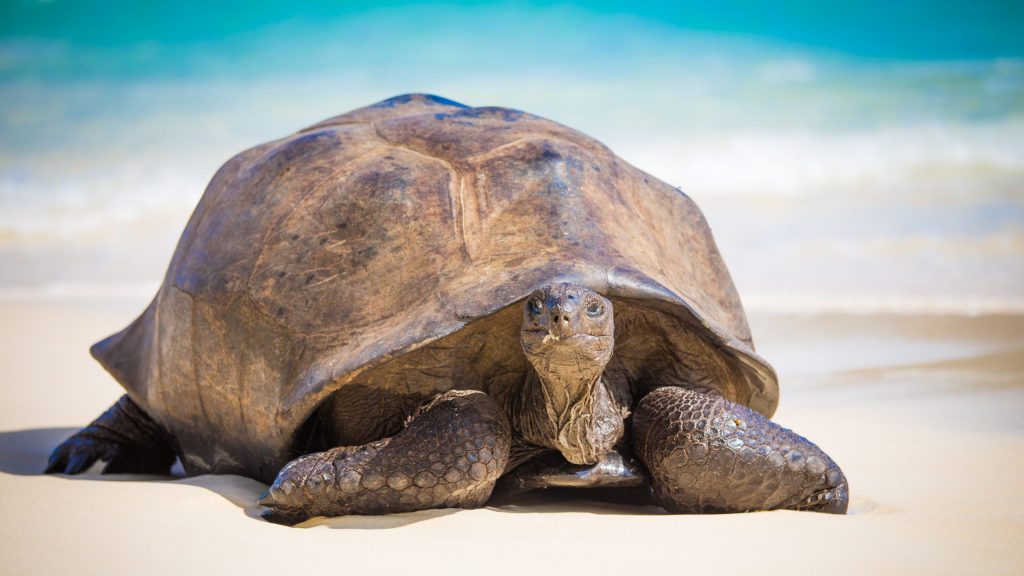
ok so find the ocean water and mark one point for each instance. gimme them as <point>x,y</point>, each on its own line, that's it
<point>868,161</point>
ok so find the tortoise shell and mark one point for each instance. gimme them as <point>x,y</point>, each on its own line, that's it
<point>375,259</point>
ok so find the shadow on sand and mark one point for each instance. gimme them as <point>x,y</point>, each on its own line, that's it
<point>25,452</point>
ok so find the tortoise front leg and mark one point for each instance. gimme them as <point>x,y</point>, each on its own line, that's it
<point>707,454</point>
<point>449,455</point>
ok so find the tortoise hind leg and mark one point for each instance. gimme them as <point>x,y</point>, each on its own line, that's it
<point>449,455</point>
<point>707,454</point>
<point>124,437</point>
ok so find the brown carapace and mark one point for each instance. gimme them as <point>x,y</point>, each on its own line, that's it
<point>400,307</point>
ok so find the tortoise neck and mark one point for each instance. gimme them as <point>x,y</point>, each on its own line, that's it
<point>569,409</point>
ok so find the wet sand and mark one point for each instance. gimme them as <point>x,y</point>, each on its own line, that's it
<point>924,413</point>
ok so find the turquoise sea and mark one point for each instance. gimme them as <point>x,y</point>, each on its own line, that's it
<point>859,159</point>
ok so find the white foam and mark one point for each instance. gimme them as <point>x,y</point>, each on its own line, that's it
<point>906,160</point>
<point>810,304</point>
<point>74,206</point>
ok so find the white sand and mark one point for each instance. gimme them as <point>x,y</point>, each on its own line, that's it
<point>925,415</point>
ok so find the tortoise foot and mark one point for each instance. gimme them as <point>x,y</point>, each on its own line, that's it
<point>124,437</point>
<point>834,498</point>
<point>707,454</point>
<point>448,456</point>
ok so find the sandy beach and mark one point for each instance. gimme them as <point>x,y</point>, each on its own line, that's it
<point>861,167</point>
<point>922,412</point>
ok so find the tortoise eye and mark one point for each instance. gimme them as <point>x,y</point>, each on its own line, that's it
<point>533,306</point>
<point>595,309</point>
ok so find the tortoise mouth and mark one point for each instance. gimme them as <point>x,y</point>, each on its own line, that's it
<point>579,350</point>
<point>549,338</point>
<point>541,342</point>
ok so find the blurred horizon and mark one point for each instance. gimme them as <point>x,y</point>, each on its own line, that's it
<point>855,159</point>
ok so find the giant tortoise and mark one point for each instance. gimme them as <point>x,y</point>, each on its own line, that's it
<point>404,306</point>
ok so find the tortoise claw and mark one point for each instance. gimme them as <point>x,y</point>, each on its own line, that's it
<point>278,509</point>
<point>832,498</point>
<point>267,499</point>
<point>80,462</point>
<point>77,454</point>
<point>283,516</point>
<point>278,492</point>
<point>56,464</point>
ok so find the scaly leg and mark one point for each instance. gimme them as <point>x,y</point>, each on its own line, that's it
<point>449,455</point>
<point>707,454</point>
<point>124,437</point>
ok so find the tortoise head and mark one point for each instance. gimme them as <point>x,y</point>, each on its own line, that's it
<point>568,335</point>
<point>567,324</point>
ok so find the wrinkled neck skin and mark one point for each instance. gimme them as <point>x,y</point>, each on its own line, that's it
<point>565,405</point>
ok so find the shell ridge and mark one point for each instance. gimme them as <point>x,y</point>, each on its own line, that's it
<point>499,148</point>
<point>240,162</point>
<point>195,363</point>
<point>114,351</point>
<point>258,308</point>
<point>323,126</point>
<point>155,328</point>
<point>286,217</point>
<point>393,103</point>
<point>637,193</point>
<point>458,195</point>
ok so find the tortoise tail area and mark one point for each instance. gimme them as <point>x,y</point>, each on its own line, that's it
<point>126,354</point>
